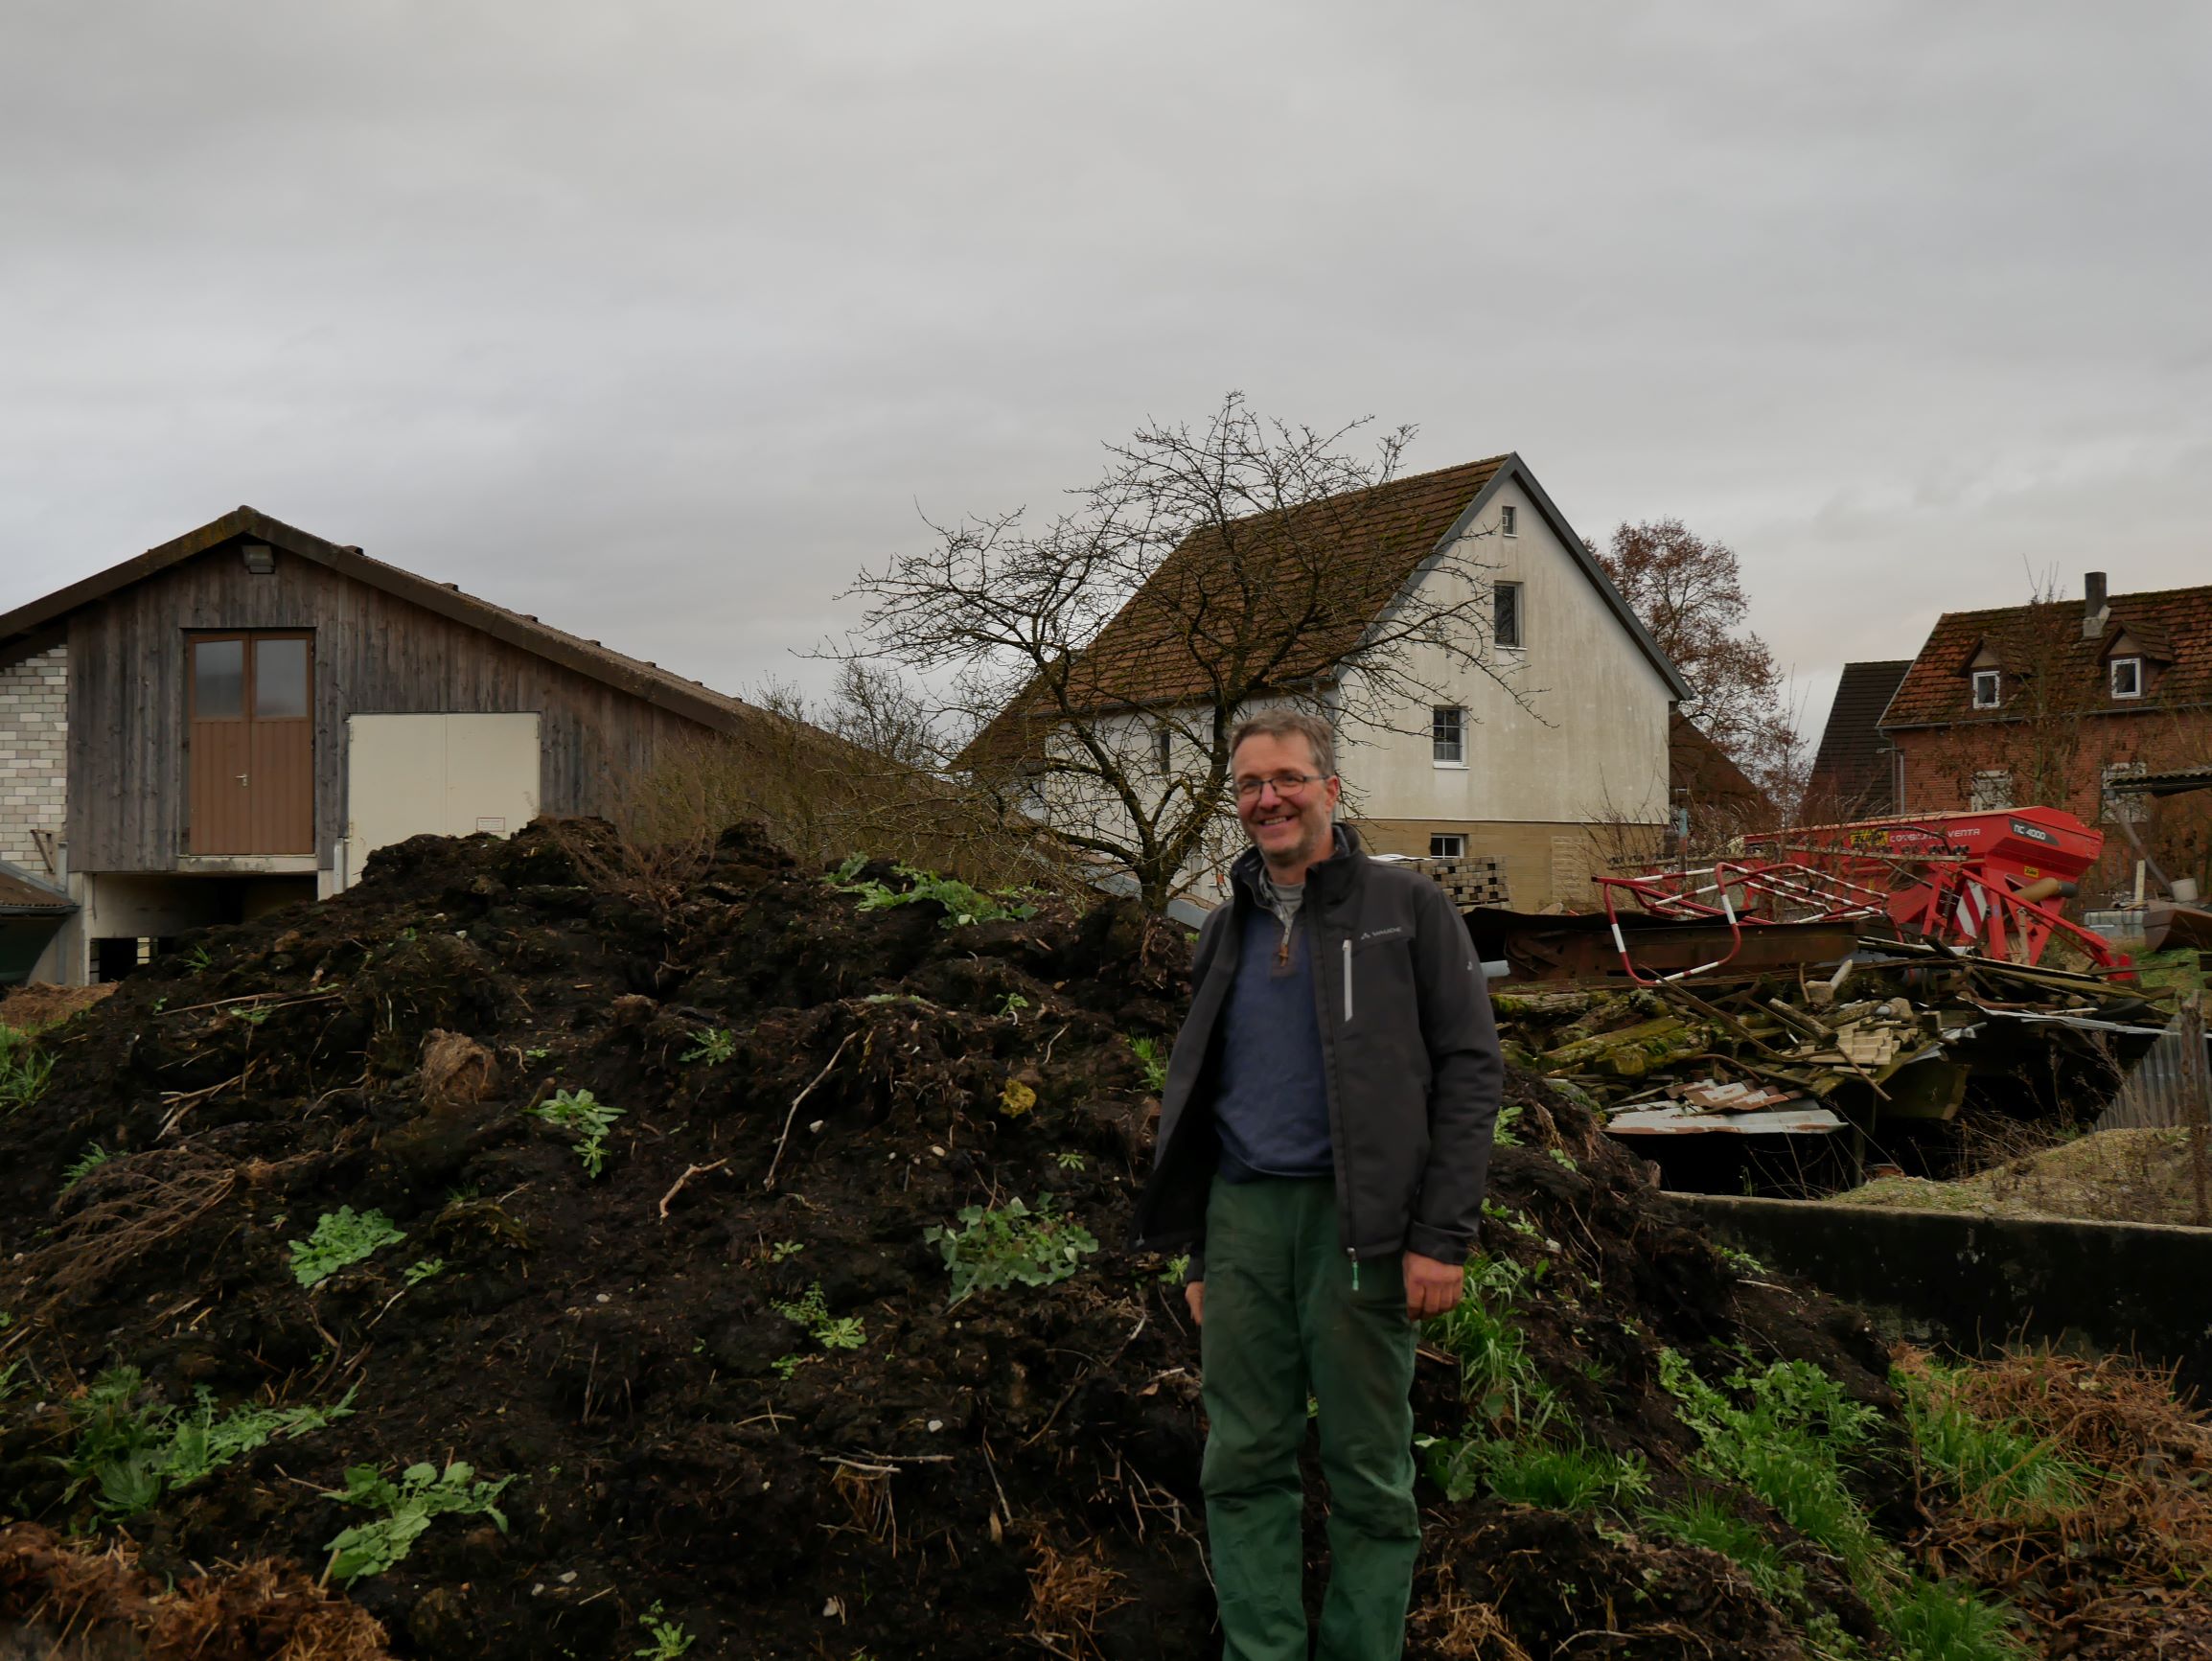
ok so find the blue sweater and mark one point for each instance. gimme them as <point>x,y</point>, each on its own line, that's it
<point>1272,1103</point>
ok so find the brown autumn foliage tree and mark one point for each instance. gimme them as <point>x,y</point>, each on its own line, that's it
<point>1689,591</point>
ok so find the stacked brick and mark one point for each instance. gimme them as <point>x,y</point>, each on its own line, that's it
<point>33,755</point>
<point>1470,879</point>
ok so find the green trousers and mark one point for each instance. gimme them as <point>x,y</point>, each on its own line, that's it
<point>1283,1322</point>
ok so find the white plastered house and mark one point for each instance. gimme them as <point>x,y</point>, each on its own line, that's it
<point>1550,783</point>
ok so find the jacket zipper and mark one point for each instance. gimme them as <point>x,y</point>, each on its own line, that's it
<point>1350,1252</point>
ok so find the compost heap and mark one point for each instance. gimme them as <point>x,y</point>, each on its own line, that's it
<point>701,1360</point>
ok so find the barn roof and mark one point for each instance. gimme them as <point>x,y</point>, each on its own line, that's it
<point>1850,764</point>
<point>641,679</point>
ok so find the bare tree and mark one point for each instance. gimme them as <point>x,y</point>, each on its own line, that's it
<point>1089,672</point>
<point>1689,591</point>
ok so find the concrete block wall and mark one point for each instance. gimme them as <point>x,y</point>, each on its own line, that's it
<point>33,754</point>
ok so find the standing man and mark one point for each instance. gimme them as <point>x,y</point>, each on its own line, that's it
<point>1324,1139</point>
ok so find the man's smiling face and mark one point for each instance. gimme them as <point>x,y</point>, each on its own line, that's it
<point>1290,831</point>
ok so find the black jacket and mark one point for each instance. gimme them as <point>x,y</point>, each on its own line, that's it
<point>1411,1053</point>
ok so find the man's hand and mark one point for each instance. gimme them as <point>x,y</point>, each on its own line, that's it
<point>1431,1287</point>
<point>1194,1294</point>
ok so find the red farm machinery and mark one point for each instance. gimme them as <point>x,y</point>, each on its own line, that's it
<point>1991,884</point>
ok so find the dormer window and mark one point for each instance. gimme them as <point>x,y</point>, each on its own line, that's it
<point>2127,678</point>
<point>1987,693</point>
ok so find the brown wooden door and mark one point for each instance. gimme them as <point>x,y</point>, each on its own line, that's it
<point>252,744</point>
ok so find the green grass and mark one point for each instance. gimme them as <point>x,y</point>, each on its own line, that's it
<point>1792,1439</point>
<point>1573,1478</point>
<point>1705,1519</point>
<point>1997,1467</point>
<point>24,1071</point>
<point>1498,1380</point>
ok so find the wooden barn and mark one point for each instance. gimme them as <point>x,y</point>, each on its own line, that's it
<point>237,719</point>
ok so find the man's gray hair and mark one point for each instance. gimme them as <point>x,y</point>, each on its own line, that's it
<point>1281,724</point>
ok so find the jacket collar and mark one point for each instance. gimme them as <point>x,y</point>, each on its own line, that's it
<point>1328,880</point>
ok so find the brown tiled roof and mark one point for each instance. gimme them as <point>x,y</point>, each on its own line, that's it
<point>1302,584</point>
<point>639,679</point>
<point>1938,690</point>
<point>1850,766</point>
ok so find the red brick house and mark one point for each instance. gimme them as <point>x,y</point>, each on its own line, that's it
<point>2044,703</point>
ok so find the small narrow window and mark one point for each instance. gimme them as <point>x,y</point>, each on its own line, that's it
<point>218,680</point>
<point>1507,516</point>
<point>2127,678</point>
<point>1447,847</point>
<point>1448,735</point>
<point>1505,618</point>
<point>1165,744</point>
<point>1992,790</point>
<point>1987,694</point>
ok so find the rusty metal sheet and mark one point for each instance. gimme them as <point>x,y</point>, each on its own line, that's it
<point>1580,946</point>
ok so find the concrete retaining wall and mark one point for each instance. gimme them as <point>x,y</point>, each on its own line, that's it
<point>1972,1283</point>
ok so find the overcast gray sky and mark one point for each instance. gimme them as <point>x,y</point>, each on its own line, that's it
<point>658,320</point>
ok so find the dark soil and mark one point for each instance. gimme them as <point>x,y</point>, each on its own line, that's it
<point>1017,1473</point>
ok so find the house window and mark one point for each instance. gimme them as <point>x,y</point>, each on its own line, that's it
<point>1164,748</point>
<point>2127,678</point>
<point>1452,847</point>
<point>1992,790</point>
<point>1987,691</point>
<point>1505,616</point>
<point>1507,515</point>
<point>1448,735</point>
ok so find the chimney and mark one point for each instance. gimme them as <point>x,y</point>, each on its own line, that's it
<point>2094,609</point>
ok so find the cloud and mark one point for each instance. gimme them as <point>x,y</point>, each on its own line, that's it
<point>660,320</point>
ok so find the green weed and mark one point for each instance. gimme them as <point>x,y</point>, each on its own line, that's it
<point>963,904</point>
<point>1012,1005</point>
<point>1502,1135</point>
<point>785,1250</point>
<point>1562,1158</point>
<point>422,1493</point>
<point>130,1453</point>
<point>424,1269</point>
<point>591,1118</point>
<point>669,1638</point>
<point>712,1044</point>
<point>1178,1266</point>
<point>341,1237</point>
<point>84,1165</point>
<point>1068,1159</point>
<point>1743,1262</point>
<point>1002,1245</point>
<point>830,1332</point>
<point>1155,1064</point>
<point>23,1070</point>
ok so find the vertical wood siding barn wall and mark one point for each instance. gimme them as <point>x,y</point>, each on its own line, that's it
<point>373,654</point>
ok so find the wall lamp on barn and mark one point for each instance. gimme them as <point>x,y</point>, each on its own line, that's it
<point>260,558</point>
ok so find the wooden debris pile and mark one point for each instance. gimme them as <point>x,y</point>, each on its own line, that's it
<point>1896,1032</point>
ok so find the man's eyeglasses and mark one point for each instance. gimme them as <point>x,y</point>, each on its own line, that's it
<point>1289,786</point>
